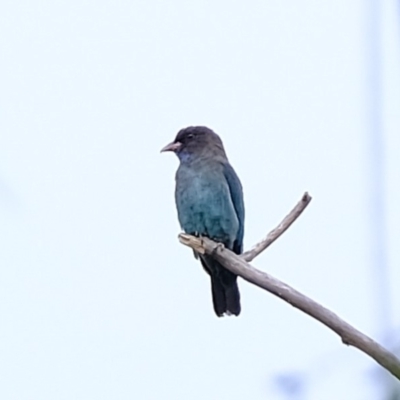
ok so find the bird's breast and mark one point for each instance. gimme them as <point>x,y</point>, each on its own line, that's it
<point>205,206</point>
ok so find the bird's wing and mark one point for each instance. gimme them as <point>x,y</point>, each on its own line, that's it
<point>236,191</point>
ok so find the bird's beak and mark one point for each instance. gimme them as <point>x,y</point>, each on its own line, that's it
<point>174,146</point>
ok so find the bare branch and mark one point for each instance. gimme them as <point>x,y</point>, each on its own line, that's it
<point>349,335</point>
<point>238,265</point>
<point>251,254</point>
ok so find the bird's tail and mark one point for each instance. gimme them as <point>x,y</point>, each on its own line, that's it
<point>226,296</point>
<point>225,291</point>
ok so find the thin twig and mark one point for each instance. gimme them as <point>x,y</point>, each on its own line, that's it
<point>251,254</point>
<point>348,334</point>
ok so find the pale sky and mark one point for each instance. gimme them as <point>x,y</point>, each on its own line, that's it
<point>98,300</point>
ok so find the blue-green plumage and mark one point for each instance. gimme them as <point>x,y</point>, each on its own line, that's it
<point>204,202</point>
<point>209,201</point>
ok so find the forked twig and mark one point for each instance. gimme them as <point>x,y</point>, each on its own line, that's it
<point>251,254</point>
<point>239,265</point>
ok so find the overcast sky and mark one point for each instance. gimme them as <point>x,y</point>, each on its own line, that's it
<point>98,300</point>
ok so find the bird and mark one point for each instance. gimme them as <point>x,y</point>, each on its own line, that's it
<point>209,201</point>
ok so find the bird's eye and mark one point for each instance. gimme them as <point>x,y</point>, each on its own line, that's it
<point>190,136</point>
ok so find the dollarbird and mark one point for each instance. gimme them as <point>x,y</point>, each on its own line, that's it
<point>209,201</point>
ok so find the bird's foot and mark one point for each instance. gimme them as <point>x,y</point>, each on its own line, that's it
<point>218,247</point>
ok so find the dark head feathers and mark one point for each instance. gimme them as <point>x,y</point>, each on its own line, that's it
<point>197,133</point>
<point>196,139</point>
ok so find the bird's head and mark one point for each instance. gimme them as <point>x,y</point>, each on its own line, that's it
<point>195,140</point>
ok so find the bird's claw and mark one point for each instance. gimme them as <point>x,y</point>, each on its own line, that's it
<point>218,247</point>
